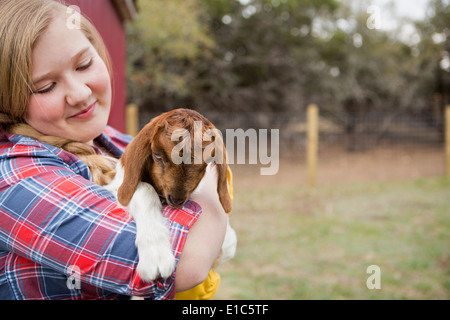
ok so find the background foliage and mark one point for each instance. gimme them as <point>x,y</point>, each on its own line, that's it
<point>274,57</point>
<point>280,55</point>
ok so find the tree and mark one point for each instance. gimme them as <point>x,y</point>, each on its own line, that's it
<point>281,55</point>
<point>264,50</point>
<point>164,45</point>
<point>374,74</point>
<point>434,63</point>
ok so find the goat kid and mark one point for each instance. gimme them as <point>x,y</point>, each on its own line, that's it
<point>146,172</point>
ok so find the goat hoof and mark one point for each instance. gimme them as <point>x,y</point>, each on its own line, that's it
<point>156,263</point>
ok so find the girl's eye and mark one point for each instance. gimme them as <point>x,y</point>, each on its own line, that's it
<point>47,89</point>
<point>50,88</point>
<point>85,66</point>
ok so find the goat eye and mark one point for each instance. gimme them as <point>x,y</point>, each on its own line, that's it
<point>157,157</point>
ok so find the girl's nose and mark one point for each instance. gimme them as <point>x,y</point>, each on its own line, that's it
<point>78,92</point>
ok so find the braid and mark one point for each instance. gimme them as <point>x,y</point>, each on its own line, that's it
<point>102,168</point>
<point>6,119</point>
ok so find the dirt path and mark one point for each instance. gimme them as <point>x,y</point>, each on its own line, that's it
<point>395,163</point>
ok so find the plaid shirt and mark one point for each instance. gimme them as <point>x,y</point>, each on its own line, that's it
<point>64,237</point>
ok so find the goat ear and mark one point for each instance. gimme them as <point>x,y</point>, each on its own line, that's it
<point>222,183</point>
<point>134,162</point>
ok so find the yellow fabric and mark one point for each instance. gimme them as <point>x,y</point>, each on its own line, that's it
<point>204,291</point>
<point>207,289</point>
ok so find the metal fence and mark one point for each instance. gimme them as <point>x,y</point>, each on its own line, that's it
<point>352,133</point>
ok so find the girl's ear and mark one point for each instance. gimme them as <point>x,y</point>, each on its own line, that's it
<point>134,162</point>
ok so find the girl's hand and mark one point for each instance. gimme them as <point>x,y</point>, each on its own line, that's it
<point>206,191</point>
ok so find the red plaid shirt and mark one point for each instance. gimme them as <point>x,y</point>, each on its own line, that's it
<point>64,237</point>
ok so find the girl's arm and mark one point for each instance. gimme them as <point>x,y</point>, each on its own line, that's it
<point>59,220</point>
<point>205,238</point>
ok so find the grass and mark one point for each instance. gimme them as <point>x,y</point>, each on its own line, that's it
<point>301,243</point>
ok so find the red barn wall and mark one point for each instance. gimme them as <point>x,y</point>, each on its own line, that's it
<point>107,21</point>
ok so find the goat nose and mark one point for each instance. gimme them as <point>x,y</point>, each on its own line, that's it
<point>175,202</point>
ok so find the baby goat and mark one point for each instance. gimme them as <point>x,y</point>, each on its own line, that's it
<point>146,172</point>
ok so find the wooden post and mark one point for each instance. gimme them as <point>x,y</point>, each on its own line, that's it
<point>447,141</point>
<point>132,119</point>
<point>313,142</point>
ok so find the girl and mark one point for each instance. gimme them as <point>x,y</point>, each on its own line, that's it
<point>62,236</point>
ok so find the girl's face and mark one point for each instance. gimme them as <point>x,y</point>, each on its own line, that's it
<point>71,85</point>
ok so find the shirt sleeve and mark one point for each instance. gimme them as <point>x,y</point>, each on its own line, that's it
<point>60,220</point>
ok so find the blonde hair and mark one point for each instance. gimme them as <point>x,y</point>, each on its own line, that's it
<point>21,24</point>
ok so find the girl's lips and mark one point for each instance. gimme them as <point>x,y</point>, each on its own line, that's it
<point>86,113</point>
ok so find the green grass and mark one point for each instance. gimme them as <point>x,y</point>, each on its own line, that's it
<point>301,243</point>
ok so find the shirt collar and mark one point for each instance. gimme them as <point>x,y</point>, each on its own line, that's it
<point>106,142</point>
